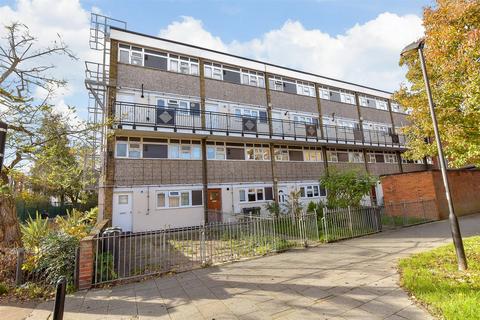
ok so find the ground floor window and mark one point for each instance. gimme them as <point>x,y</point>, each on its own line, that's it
<point>312,191</point>
<point>178,199</point>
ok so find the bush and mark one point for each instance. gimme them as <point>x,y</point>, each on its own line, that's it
<point>3,289</point>
<point>34,231</point>
<point>57,256</point>
<point>106,269</point>
<point>273,208</point>
<point>76,223</point>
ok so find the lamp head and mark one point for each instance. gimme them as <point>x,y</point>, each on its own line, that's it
<point>419,44</point>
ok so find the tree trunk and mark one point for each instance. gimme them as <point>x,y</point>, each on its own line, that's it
<point>9,227</point>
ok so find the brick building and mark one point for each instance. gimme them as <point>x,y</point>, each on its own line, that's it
<point>198,131</point>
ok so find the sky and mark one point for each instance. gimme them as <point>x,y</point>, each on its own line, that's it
<point>352,40</point>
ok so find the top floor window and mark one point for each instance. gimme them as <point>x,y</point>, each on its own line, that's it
<point>305,88</point>
<point>157,59</point>
<point>283,84</point>
<point>253,78</point>
<point>337,95</point>
<point>234,75</point>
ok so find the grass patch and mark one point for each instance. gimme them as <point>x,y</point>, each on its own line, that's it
<point>433,279</point>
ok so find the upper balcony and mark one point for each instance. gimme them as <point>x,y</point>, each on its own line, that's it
<point>167,119</point>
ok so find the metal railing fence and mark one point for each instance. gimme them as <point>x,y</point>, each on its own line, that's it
<point>136,114</point>
<point>350,222</point>
<point>124,256</point>
<point>407,213</point>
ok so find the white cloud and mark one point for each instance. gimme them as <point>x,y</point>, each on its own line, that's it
<point>191,30</point>
<point>46,19</point>
<point>366,53</point>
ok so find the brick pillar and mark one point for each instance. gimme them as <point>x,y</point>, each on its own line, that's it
<point>86,263</point>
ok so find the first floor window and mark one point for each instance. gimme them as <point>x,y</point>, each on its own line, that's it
<point>121,149</point>
<point>161,200</point>
<point>134,150</point>
<point>312,191</point>
<point>185,199</point>
<point>242,195</point>
<point>174,199</point>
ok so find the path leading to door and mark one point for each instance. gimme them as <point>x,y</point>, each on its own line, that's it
<point>353,279</point>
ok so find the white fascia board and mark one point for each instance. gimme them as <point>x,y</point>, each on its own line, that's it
<point>208,55</point>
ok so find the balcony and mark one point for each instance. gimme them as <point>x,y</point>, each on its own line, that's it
<point>166,119</point>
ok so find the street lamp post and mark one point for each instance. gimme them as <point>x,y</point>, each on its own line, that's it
<point>454,227</point>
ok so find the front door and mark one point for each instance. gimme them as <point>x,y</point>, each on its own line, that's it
<point>122,211</point>
<point>214,205</point>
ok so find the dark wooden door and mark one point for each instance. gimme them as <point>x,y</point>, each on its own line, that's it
<point>214,205</point>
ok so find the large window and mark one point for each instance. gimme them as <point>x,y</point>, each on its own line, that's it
<point>254,194</point>
<point>312,155</point>
<point>156,59</point>
<point>216,151</point>
<point>153,148</point>
<point>257,152</point>
<point>178,199</point>
<point>305,88</point>
<point>281,153</point>
<point>253,78</point>
<point>312,191</point>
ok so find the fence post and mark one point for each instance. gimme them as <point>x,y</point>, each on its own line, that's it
<point>423,209</point>
<point>325,230</point>
<point>316,225</point>
<point>77,267</point>
<point>19,271</point>
<point>274,234</point>
<point>59,305</point>
<point>203,255</point>
<point>350,221</point>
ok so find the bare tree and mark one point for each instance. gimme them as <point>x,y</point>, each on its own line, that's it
<point>23,70</point>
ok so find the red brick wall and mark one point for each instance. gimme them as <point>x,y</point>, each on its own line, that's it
<point>86,259</point>
<point>428,185</point>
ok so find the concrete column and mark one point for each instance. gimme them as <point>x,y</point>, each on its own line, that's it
<point>270,129</point>
<point>360,118</point>
<point>319,107</point>
<point>202,91</point>
<point>389,103</point>
<point>107,181</point>
<point>205,180</point>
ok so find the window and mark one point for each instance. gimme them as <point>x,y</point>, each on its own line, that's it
<point>183,65</point>
<point>355,157</point>
<point>235,153</point>
<point>310,191</point>
<point>282,196</point>
<point>174,199</point>
<point>186,152</point>
<point>281,154</point>
<point>257,152</point>
<point>347,97</point>
<point>332,156</point>
<point>123,199</point>
<point>124,53</point>
<point>134,150</point>
<point>253,78</point>
<point>161,200</point>
<point>216,152</point>
<point>136,57</point>
<point>155,150</point>
<point>305,89</point>
<point>313,155</point>
<point>251,194</point>
<point>213,71</point>
<point>173,151</point>
<point>390,158</point>
<point>179,199</point>
<point>121,149</point>
<point>242,195</point>
<point>324,93</point>
<point>185,199</point>
<point>371,158</point>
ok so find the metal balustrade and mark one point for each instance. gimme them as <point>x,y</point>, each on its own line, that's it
<point>138,116</point>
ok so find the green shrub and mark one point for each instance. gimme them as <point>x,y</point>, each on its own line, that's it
<point>273,208</point>
<point>105,268</point>
<point>3,288</point>
<point>77,223</point>
<point>57,256</point>
<point>34,231</point>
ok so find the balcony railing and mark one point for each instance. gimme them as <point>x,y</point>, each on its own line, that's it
<point>143,115</point>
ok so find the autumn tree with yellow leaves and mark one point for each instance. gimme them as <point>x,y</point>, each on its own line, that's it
<point>452,53</point>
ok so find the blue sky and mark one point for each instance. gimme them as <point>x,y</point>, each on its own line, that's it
<point>353,40</point>
<point>243,20</point>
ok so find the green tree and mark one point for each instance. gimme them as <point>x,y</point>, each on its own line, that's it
<point>346,188</point>
<point>452,53</point>
<point>61,168</point>
<point>23,75</point>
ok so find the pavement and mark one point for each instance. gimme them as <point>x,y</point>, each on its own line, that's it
<point>353,279</point>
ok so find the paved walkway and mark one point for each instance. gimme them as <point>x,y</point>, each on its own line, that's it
<point>353,279</point>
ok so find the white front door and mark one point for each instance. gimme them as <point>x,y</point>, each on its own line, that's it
<point>122,211</point>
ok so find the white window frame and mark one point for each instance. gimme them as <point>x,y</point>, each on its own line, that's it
<point>332,156</point>
<point>355,157</point>
<point>312,189</point>
<point>169,194</point>
<point>260,153</point>
<point>123,142</point>
<point>247,191</point>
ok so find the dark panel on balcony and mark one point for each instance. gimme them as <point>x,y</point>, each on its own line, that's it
<point>290,87</point>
